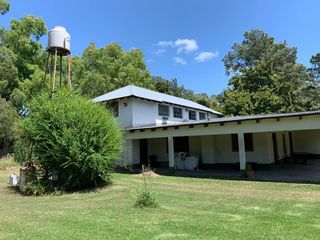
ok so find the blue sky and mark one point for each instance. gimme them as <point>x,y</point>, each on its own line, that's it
<point>180,38</point>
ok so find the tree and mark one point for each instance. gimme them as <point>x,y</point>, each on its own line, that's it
<point>101,70</point>
<point>315,68</point>
<point>8,72</point>
<point>4,7</point>
<point>22,39</point>
<point>8,125</point>
<point>20,53</point>
<point>265,77</point>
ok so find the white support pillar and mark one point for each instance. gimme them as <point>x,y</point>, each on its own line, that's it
<point>242,152</point>
<point>130,152</point>
<point>171,152</point>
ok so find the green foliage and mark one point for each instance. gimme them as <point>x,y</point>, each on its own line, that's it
<point>266,78</point>
<point>9,125</point>
<point>36,188</point>
<point>8,72</point>
<point>4,7</point>
<point>74,137</point>
<point>315,68</point>
<point>23,151</point>
<point>21,56</point>
<point>34,85</point>
<point>101,70</point>
<point>22,38</point>
<point>145,199</point>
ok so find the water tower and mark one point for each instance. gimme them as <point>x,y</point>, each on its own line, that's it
<point>58,46</point>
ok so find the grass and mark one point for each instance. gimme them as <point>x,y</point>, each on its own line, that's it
<point>188,209</point>
<point>7,164</point>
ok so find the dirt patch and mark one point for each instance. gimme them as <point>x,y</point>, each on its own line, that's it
<point>149,174</point>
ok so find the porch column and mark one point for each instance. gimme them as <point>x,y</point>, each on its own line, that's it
<point>242,152</point>
<point>130,152</point>
<point>171,152</point>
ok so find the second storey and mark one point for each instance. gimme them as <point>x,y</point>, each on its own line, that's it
<point>135,107</point>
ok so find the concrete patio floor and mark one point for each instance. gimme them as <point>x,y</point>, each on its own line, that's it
<point>292,172</point>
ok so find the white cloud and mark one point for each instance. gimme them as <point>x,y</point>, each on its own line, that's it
<point>150,60</point>
<point>186,45</point>
<point>180,60</point>
<point>183,45</point>
<point>159,52</point>
<point>165,44</point>
<point>206,56</point>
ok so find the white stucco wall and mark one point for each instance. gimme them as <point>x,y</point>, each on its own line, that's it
<point>195,145</point>
<point>125,112</point>
<point>127,150</point>
<point>144,112</point>
<point>208,149</point>
<point>306,141</point>
<point>218,149</point>
<point>134,112</point>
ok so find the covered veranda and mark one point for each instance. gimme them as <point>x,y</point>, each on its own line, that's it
<point>281,147</point>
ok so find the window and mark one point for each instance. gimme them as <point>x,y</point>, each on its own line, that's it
<point>192,115</point>
<point>163,110</point>
<point>177,112</point>
<point>248,142</point>
<point>202,116</point>
<point>114,107</point>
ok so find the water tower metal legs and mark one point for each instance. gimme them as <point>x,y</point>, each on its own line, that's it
<point>47,66</point>
<point>54,73</point>
<point>51,68</point>
<point>60,70</point>
<point>69,72</point>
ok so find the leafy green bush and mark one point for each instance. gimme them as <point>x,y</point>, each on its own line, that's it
<point>146,199</point>
<point>72,137</point>
<point>35,188</point>
<point>22,150</point>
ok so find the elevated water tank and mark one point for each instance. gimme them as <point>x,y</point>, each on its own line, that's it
<point>59,39</point>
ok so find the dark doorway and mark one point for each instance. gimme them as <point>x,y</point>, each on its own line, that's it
<point>275,148</point>
<point>144,152</point>
<point>181,144</point>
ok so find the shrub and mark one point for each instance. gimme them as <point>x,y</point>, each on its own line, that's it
<point>35,188</point>
<point>22,150</point>
<point>72,137</point>
<point>146,199</point>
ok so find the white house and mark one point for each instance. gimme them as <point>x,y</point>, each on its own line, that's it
<point>168,131</point>
<point>140,107</point>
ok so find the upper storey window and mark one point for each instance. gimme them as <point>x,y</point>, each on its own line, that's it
<point>114,107</point>
<point>163,110</point>
<point>192,115</point>
<point>177,112</point>
<point>202,116</point>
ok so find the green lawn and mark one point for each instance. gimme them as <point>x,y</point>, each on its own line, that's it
<point>188,209</point>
